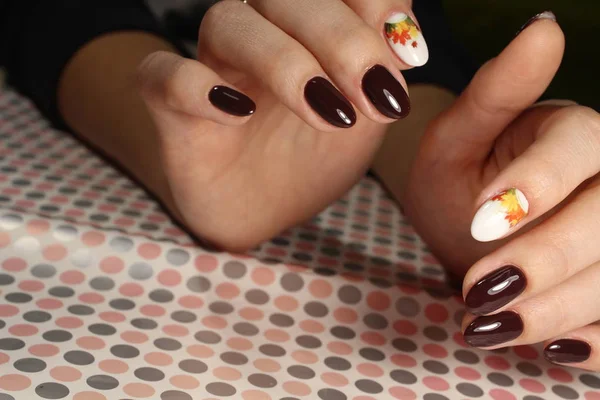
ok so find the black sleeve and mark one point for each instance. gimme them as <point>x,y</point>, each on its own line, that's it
<point>39,37</point>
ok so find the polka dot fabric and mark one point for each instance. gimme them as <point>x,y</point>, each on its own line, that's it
<point>104,298</point>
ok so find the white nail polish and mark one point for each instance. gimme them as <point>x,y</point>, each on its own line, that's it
<point>499,215</point>
<point>406,39</point>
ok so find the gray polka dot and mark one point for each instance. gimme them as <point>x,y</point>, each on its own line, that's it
<point>102,283</point>
<point>245,329</point>
<point>29,365</point>
<point>234,269</point>
<point>257,296</point>
<point>281,320</point>
<point>292,282</point>
<point>61,291</point>
<point>185,317</point>
<point>161,296</point>
<point>149,374</point>
<point>316,309</point>
<point>175,395</point>
<point>57,336</point>
<point>121,244</point>
<point>342,332</point>
<point>122,304</point>
<point>368,386</point>
<point>208,337</point>
<point>220,389</point>
<point>435,367</point>
<point>407,306</point>
<point>193,366</point>
<point>371,354</point>
<point>529,369</point>
<point>272,350</point>
<point>144,323</point>
<point>434,396</point>
<point>10,221</point>
<point>6,280</point>
<point>78,357</point>
<point>198,284</point>
<point>177,257</point>
<point>592,381</point>
<point>80,309</point>
<point>262,381</point>
<point>234,358</point>
<point>4,396</point>
<point>51,390</point>
<point>375,321</point>
<point>404,377</point>
<point>124,351</point>
<point>404,344</point>
<point>18,298</point>
<point>331,394</point>
<point>338,363</point>
<point>458,316</point>
<point>467,357</point>
<point>435,333</point>
<point>349,294</point>
<point>102,329</point>
<point>102,382</point>
<point>167,344</point>
<point>37,316</point>
<point>141,271</point>
<point>2,324</point>
<point>65,233</point>
<point>565,392</point>
<point>301,372</point>
<point>221,307</point>
<point>309,342</point>
<point>43,271</point>
<point>468,389</point>
<point>530,397</point>
<point>500,379</point>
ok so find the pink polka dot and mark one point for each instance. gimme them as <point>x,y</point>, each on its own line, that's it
<point>54,252</point>
<point>4,358</point>
<point>267,365</point>
<point>497,363</point>
<point>334,379</point>
<point>184,382</point>
<point>214,322</point>
<point>131,290</point>
<point>238,343</point>
<point>65,374</point>
<point>527,352</point>
<point>435,350</point>
<point>501,394</point>
<point>4,240</point>
<point>560,375</point>
<point>176,330</point>
<point>532,385</point>
<point>436,312</point>
<point>169,277</point>
<point>14,264</point>
<point>23,330</point>
<point>7,310</point>
<point>373,338</point>
<point>89,396</point>
<point>402,393</point>
<point>340,348</point>
<point>320,288</point>
<point>296,388</point>
<point>69,322</point>
<point>263,276</point>
<point>345,315</point>
<point>151,310</point>
<point>435,383</point>
<point>72,277</point>
<point>14,382</point>
<point>140,390</point>
<point>277,335</point>
<point>251,313</point>
<point>44,350</point>
<point>124,222</point>
<point>31,286</point>
<point>37,227</point>
<point>405,327</point>
<point>227,290</point>
<point>227,373</point>
<point>378,301</point>
<point>92,238</point>
<point>200,351</point>
<point>311,326</point>
<point>91,298</point>
<point>112,317</point>
<point>305,357</point>
<point>91,343</point>
<point>467,373</point>
<point>112,265</point>
<point>592,396</point>
<point>149,251</point>
<point>255,395</point>
<point>113,366</point>
<point>402,360</point>
<point>206,263</point>
<point>158,359</point>
<point>459,339</point>
<point>191,302</point>
<point>134,337</point>
<point>49,304</point>
<point>286,303</point>
<point>370,370</point>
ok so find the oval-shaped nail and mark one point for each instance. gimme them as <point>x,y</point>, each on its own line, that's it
<point>567,351</point>
<point>386,93</point>
<point>497,216</point>
<point>231,101</point>
<point>329,103</point>
<point>493,330</point>
<point>406,39</point>
<point>495,290</point>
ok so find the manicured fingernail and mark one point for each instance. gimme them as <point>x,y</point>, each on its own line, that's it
<point>495,290</point>
<point>566,351</point>
<point>329,103</point>
<point>231,101</point>
<point>406,39</point>
<point>493,330</point>
<point>543,15</point>
<point>499,215</point>
<point>386,93</point>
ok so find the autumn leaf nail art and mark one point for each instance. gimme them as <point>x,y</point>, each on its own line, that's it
<point>406,39</point>
<point>497,216</point>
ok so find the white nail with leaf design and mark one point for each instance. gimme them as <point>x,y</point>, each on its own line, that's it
<point>497,216</point>
<point>405,37</point>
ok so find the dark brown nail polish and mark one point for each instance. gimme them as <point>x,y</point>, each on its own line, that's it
<point>565,351</point>
<point>231,101</point>
<point>495,290</point>
<point>495,329</point>
<point>386,93</point>
<point>329,103</point>
<point>543,15</point>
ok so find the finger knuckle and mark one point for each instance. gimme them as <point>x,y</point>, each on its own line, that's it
<point>553,253</point>
<point>289,69</point>
<point>348,40</point>
<point>172,85</point>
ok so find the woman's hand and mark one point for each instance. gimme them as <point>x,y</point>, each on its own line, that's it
<point>528,171</point>
<point>283,111</point>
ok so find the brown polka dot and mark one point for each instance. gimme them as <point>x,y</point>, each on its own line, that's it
<point>291,282</point>
<point>220,389</point>
<point>184,382</point>
<point>227,373</point>
<point>234,269</point>
<point>65,374</point>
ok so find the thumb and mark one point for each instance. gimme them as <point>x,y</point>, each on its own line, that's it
<point>500,91</point>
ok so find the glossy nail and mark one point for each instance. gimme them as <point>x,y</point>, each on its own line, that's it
<point>495,290</point>
<point>566,351</point>
<point>231,101</point>
<point>493,330</point>
<point>406,39</point>
<point>386,93</point>
<point>543,15</point>
<point>329,103</point>
<point>499,215</point>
